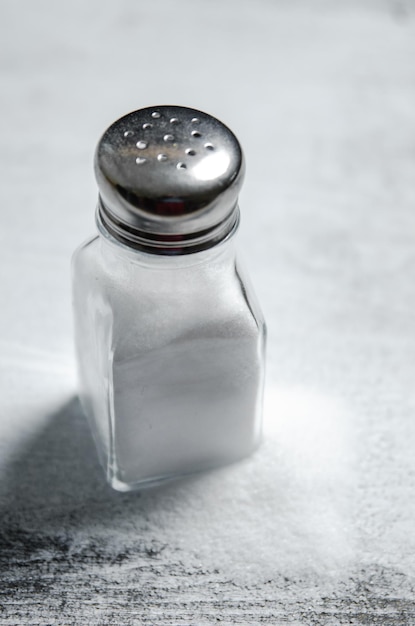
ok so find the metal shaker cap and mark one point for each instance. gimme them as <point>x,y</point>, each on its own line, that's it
<point>169,179</point>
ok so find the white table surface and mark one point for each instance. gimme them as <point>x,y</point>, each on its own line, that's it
<point>319,526</point>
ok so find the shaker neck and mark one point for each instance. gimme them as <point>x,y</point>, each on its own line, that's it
<point>220,252</point>
<point>179,242</point>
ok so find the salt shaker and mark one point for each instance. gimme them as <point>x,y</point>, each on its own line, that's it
<point>169,336</point>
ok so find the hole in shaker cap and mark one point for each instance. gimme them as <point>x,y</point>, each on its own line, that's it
<point>195,133</point>
<point>147,126</point>
<point>155,115</point>
<point>190,152</point>
<point>141,144</point>
<point>162,157</point>
<point>209,146</point>
<point>140,160</point>
<point>174,120</point>
<point>195,120</point>
<point>168,138</point>
<point>128,133</point>
<point>181,166</point>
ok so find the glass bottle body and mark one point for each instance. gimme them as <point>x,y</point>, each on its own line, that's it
<point>170,353</point>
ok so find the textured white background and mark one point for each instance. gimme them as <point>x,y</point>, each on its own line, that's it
<point>318,527</point>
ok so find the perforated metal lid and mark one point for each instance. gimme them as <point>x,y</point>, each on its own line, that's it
<point>169,179</point>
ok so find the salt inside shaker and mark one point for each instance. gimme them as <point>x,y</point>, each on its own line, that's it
<point>169,336</point>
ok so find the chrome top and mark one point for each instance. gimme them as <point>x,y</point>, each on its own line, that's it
<point>169,179</point>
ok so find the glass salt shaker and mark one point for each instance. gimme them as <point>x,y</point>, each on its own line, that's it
<point>169,336</point>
